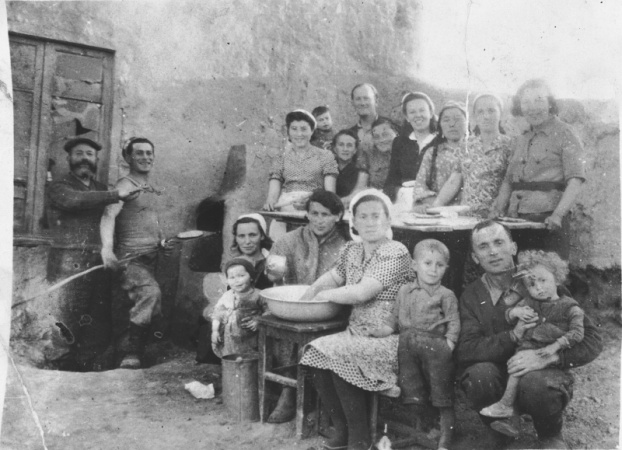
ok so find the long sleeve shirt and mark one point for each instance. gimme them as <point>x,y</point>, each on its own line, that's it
<point>76,209</point>
<point>415,307</point>
<point>549,153</point>
<point>406,157</point>
<point>308,257</point>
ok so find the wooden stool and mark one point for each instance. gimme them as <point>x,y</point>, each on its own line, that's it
<point>393,392</point>
<point>272,328</point>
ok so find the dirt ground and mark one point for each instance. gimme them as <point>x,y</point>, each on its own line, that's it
<point>149,409</point>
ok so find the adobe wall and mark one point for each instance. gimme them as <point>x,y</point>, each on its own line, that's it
<point>200,77</point>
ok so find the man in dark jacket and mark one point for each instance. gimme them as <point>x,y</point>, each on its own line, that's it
<point>76,204</point>
<point>487,345</point>
<point>78,199</point>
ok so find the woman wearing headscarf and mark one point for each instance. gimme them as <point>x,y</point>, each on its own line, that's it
<point>250,241</point>
<point>410,146</point>
<point>547,169</point>
<point>346,365</point>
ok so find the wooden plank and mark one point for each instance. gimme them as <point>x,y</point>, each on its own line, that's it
<point>276,378</point>
<point>31,220</point>
<point>77,89</point>
<point>22,132</point>
<point>23,64</point>
<point>106,117</point>
<point>86,66</point>
<point>300,327</point>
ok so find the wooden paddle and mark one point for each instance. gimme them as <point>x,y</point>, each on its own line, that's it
<point>184,235</point>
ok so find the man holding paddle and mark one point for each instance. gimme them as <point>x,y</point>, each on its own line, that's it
<point>132,225</point>
<point>76,204</point>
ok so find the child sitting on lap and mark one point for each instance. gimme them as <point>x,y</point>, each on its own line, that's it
<point>234,320</point>
<point>426,314</point>
<point>560,319</point>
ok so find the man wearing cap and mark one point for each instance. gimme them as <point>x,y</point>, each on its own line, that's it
<point>76,204</point>
<point>132,225</point>
<point>78,200</point>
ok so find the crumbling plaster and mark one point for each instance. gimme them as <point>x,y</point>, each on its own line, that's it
<point>198,77</point>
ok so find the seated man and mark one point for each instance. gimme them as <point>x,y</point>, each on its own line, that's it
<point>487,344</point>
<point>310,251</point>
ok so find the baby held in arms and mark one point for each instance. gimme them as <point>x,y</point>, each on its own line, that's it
<point>558,319</point>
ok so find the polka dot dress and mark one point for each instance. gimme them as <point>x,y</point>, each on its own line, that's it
<point>304,170</point>
<point>366,362</point>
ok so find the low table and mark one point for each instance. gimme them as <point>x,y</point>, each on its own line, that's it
<point>272,329</point>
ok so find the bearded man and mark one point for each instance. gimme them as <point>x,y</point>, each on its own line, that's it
<point>76,204</point>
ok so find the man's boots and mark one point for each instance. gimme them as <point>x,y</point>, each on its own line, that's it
<point>137,341</point>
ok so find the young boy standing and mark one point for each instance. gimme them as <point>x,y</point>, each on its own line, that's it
<point>426,315</point>
<point>323,135</point>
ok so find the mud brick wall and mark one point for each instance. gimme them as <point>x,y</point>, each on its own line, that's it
<point>200,77</point>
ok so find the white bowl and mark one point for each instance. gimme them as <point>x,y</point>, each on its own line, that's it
<point>283,302</point>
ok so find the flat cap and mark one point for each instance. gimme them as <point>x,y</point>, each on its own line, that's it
<point>71,143</point>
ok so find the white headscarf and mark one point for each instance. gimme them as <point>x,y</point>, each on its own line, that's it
<point>259,218</point>
<point>375,193</point>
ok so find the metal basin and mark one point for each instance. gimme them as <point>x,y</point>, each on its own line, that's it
<point>283,302</point>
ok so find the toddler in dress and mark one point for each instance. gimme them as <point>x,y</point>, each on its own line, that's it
<point>559,318</point>
<point>234,319</point>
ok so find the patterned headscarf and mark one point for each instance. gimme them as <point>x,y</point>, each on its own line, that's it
<point>375,193</point>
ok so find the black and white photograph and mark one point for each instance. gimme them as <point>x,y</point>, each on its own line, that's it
<point>310,224</point>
